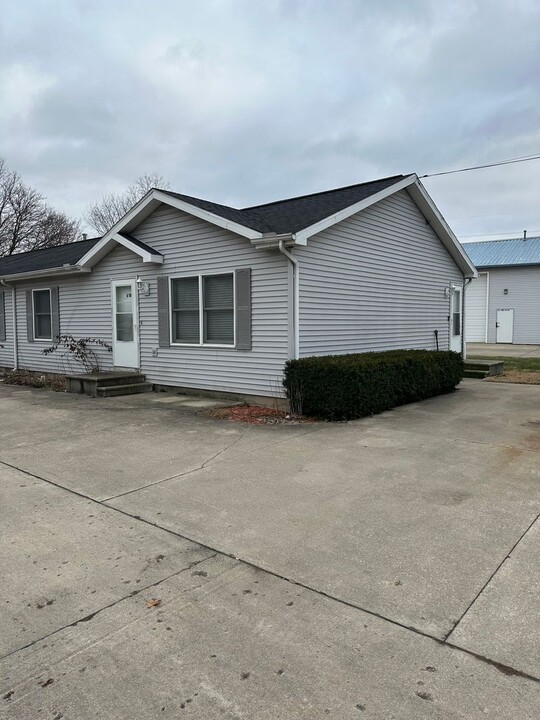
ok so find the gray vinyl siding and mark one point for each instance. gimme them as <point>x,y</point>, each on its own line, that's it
<point>523,285</point>
<point>189,246</point>
<point>375,281</point>
<point>6,346</point>
<point>192,246</point>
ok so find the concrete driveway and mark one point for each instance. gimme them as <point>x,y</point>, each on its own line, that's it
<point>497,350</point>
<point>156,563</point>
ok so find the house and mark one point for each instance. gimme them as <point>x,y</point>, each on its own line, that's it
<point>503,303</point>
<point>203,296</point>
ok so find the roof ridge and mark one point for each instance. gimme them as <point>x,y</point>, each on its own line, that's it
<point>324,192</point>
<point>193,197</point>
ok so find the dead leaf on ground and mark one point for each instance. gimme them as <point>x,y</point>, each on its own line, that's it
<point>153,602</point>
<point>44,683</point>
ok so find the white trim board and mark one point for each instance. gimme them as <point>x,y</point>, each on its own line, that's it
<point>143,209</point>
<point>154,198</point>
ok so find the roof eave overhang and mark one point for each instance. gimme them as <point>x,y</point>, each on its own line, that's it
<point>272,240</point>
<point>416,190</point>
<point>46,272</point>
<point>441,228</point>
<point>301,237</point>
<point>481,268</point>
<point>143,209</point>
<point>109,241</point>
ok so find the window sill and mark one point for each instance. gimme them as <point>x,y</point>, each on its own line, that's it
<point>203,345</point>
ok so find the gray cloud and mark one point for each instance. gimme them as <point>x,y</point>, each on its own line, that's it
<point>244,102</point>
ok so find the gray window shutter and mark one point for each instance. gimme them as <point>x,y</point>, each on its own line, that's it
<point>163,311</point>
<point>243,309</point>
<point>2,316</point>
<point>55,313</point>
<point>29,317</point>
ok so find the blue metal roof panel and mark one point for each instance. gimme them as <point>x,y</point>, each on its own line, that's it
<point>502,253</point>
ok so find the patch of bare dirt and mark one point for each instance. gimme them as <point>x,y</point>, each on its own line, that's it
<point>258,415</point>
<point>523,377</point>
<point>45,381</point>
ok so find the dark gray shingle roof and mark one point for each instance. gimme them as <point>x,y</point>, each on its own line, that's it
<point>503,253</point>
<point>46,258</point>
<point>294,214</point>
<point>283,216</point>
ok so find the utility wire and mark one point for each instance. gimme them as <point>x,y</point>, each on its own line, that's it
<point>511,161</point>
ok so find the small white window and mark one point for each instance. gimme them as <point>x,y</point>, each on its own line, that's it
<point>42,314</point>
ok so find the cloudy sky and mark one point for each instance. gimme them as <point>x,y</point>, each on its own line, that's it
<point>247,101</point>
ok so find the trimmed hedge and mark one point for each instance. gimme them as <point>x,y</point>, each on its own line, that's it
<point>344,387</point>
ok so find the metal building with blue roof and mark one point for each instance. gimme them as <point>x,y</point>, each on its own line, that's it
<point>502,305</point>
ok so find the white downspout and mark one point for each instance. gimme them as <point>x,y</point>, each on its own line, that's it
<point>296,297</point>
<point>14,312</point>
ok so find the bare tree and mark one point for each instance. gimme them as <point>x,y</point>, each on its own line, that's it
<point>102,215</point>
<point>26,221</point>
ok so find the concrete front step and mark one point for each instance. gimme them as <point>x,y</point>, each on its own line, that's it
<point>483,368</point>
<point>95,384</point>
<point>125,389</point>
<point>494,367</point>
<point>480,374</point>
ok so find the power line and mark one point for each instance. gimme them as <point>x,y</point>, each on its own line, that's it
<point>511,161</point>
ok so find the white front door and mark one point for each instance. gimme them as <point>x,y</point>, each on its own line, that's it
<point>505,325</point>
<point>125,327</point>
<point>456,320</point>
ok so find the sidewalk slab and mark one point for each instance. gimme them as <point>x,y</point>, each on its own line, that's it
<point>228,641</point>
<point>504,622</point>
<point>63,557</point>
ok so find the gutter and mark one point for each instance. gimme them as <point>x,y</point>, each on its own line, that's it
<point>295,298</point>
<point>14,313</point>
<point>63,270</point>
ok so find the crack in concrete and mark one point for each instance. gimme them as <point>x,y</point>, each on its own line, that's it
<point>505,669</point>
<point>488,581</point>
<point>92,615</point>
<point>204,464</point>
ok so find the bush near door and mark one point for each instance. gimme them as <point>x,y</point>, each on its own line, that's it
<point>344,387</point>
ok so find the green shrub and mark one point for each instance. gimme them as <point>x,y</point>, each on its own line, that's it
<point>344,387</point>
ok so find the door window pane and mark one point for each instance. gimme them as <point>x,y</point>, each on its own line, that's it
<point>42,315</point>
<point>219,309</point>
<point>456,313</point>
<point>124,313</point>
<point>185,310</point>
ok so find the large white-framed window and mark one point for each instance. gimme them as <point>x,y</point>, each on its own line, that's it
<point>42,314</point>
<point>202,309</point>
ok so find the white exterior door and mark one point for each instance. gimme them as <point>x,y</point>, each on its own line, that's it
<point>505,325</point>
<point>456,319</point>
<point>125,325</point>
<point>476,309</point>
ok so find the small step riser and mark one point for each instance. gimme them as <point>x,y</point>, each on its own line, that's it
<point>115,391</point>
<point>492,368</point>
<point>477,374</point>
<point>125,380</point>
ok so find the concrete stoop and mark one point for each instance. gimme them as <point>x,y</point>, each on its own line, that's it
<point>483,368</point>
<point>109,384</point>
